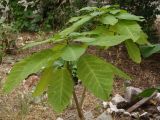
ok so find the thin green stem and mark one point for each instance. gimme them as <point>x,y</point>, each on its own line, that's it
<point>83,96</point>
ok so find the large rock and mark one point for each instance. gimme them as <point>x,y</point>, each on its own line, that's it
<point>104,116</point>
<point>131,92</point>
<point>119,101</point>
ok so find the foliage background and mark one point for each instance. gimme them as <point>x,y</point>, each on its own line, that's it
<point>149,9</point>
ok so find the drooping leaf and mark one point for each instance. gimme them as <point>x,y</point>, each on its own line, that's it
<point>147,92</point>
<point>128,16</point>
<point>27,66</point>
<point>108,20</point>
<point>73,52</point>
<point>128,28</point>
<point>109,40</point>
<point>47,75</point>
<point>60,90</point>
<point>133,51</point>
<point>150,50</point>
<point>95,75</point>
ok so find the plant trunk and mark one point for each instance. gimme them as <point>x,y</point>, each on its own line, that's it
<point>79,110</point>
<point>78,106</point>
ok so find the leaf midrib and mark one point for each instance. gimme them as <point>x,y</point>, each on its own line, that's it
<point>99,84</point>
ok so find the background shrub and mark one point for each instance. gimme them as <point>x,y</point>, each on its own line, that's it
<point>146,8</point>
<point>43,14</point>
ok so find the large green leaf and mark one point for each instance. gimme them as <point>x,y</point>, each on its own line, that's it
<point>60,90</point>
<point>75,26</point>
<point>128,28</point>
<point>47,75</point>
<point>128,16</point>
<point>109,40</point>
<point>108,20</point>
<point>133,51</point>
<point>27,66</point>
<point>73,52</point>
<point>95,75</point>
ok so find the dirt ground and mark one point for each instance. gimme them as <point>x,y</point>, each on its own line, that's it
<point>19,105</point>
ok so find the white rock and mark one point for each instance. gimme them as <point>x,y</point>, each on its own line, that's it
<point>59,118</point>
<point>88,115</point>
<point>104,116</point>
<point>113,108</point>
<point>131,92</point>
<point>135,115</point>
<point>143,114</point>
<point>158,97</point>
<point>117,99</point>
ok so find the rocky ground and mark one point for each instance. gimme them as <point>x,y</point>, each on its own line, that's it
<point>20,105</point>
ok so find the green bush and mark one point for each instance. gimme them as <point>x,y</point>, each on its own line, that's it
<point>146,8</point>
<point>43,14</point>
<point>104,27</point>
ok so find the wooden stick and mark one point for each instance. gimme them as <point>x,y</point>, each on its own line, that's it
<point>140,103</point>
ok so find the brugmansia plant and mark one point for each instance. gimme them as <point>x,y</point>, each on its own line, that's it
<point>103,27</point>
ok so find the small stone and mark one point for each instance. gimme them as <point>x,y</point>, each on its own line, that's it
<point>131,92</point>
<point>37,100</point>
<point>144,116</point>
<point>59,118</point>
<point>105,104</point>
<point>104,116</point>
<point>135,115</point>
<point>158,108</point>
<point>127,113</point>
<point>88,115</point>
<point>127,83</point>
<point>118,99</point>
<point>113,108</point>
